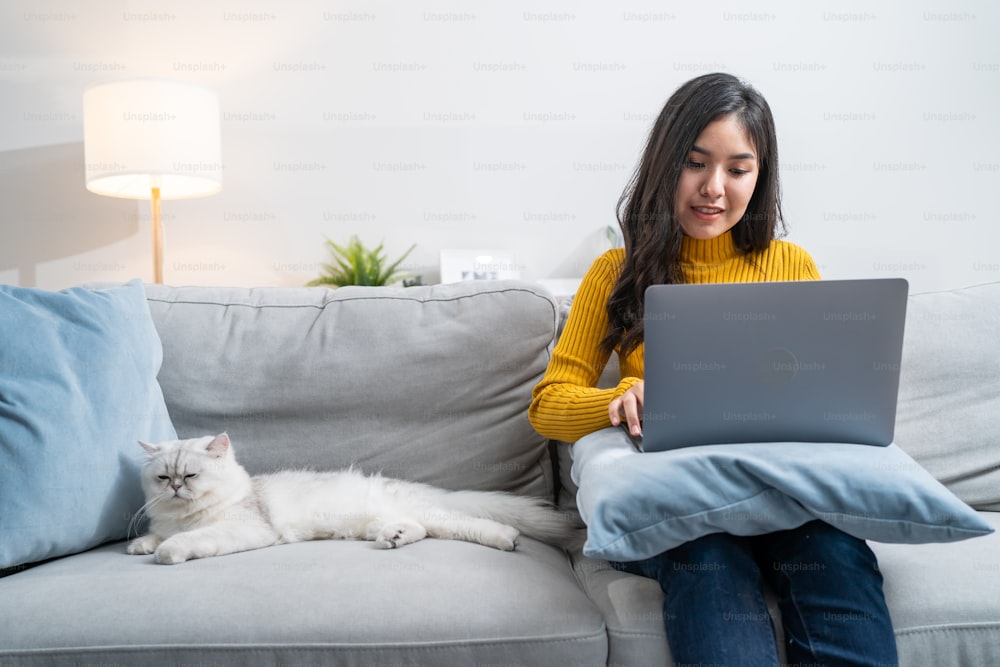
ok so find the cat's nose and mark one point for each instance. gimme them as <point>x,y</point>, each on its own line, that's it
<point>175,486</point>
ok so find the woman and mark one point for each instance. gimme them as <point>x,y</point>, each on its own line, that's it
<point>704,206</point>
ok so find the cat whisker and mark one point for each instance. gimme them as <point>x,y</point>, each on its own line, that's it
<point>139,515</point>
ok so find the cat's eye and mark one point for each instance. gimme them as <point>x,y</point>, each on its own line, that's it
<point>162,477</point>
<point>194,474</point>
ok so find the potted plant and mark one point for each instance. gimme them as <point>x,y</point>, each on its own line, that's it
<point>354,264</point>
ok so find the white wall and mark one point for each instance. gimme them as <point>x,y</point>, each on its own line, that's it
<point>499,124</point>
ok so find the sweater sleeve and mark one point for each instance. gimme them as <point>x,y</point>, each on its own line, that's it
<point>566,404</point>
<point>809,270</point>
<point>795,263</point>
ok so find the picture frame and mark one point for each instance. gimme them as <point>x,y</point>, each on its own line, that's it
<point>458,265</point>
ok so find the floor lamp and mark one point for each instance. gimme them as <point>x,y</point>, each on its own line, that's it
<point>152,139</point>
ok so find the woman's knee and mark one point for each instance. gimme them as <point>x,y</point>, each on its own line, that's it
<point>819,543</point>
<point>715,556</point>
<point>717,560</point>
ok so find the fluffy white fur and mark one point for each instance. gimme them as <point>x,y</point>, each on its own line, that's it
<point>201,503</point>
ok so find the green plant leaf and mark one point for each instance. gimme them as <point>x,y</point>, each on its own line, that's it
<point>353,264</point>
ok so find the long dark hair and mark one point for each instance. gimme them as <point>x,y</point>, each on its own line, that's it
<point>646,207</point>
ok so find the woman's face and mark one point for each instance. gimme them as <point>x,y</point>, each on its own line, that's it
<point>717,180</point>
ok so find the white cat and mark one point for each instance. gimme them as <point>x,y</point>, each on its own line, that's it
<point>201,503</point>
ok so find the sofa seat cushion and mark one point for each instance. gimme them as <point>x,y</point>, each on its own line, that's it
<point>425,383</point>
<point>346,603</point>
<point>633,612</point>
<point>944,599</point>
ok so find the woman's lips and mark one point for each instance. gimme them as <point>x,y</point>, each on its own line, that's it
<point>707,212</point>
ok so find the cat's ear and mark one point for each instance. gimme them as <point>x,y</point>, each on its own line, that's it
<point>219,445</point>
<point>150,448</point>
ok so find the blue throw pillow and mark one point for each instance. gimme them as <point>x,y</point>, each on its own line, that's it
<point>77,389</point>
<point>637,505</point>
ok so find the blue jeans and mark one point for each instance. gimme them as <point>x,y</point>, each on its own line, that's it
<point>829,591</point>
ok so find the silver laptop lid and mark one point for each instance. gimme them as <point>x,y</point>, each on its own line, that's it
<point>813,361</point>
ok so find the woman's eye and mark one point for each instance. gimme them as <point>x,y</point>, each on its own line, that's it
<point>691,164</point>
<point>739,172</point>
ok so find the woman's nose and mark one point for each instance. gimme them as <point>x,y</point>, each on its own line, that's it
<point>712,186</point>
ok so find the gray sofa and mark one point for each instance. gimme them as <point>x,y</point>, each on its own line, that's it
<point>432,384</point>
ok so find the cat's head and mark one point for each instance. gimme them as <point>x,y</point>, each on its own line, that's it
<point>184,471</point>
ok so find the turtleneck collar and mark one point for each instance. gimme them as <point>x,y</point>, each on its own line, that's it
<point>713,251</point>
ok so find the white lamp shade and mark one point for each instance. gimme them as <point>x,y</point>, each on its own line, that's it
<point>145,134</point>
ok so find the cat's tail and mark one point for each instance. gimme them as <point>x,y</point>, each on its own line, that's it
<point>531,516</point>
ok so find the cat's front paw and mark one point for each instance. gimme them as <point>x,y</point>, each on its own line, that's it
<point>172,552</point>
<point>142,546</point>
<point>395,535</point>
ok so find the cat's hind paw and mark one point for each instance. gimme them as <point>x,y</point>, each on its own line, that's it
<point>504,539</point>
<point>395,535</point>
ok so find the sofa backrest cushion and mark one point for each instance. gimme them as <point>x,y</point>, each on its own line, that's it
<point>427,383</point>
<point>948,415</point>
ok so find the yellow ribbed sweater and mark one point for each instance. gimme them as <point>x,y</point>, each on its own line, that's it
<point>566,404</point>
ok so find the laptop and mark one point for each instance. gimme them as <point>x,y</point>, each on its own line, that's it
<point>809,361</point>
